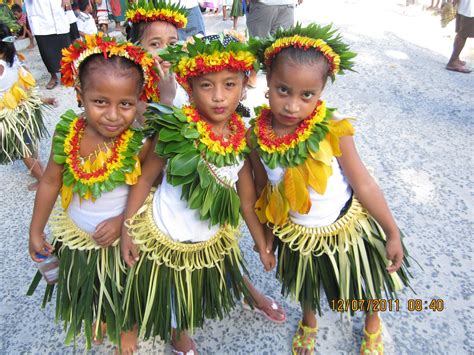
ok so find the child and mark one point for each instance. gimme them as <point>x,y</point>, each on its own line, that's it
<point>23,22</point>
<point>325,236</point>
<point>103,14</point>
<point>85,21</point>
<point>95,157</point>
<point>236,12</point>
<point>21,110</point>
<point>190,267</point>
<point>154,24</point>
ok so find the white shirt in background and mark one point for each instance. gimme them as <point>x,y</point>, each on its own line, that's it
<point>46,17</point>
<point>86,24</point>
<point>465,8</point>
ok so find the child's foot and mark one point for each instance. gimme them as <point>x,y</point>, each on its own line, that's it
<point>32,45</point>
<point>129,342</point>
<point>50,101</point>
<point>372,344</point>
<point>96,339</point>
<point>183,345</point>
<point>267,307</point>
<point>33,186</point>
<point>304,340</point>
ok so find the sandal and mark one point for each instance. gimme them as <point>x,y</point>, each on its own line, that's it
<point>267,311</point>
<point>52,84</point>
<point>307,340</point>
<point>374,345</point>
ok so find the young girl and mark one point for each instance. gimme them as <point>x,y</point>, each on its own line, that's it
<point>154,25</point>
<point>95,157</point>
<point>314,179</point>
<point>190,267</point>
<point>21,110</point>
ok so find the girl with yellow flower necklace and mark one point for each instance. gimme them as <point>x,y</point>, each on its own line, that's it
<point>182,244</point>
<point>95,158</point>
<point>311,180</point>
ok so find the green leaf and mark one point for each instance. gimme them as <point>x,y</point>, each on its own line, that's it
<point>204,176</point>
<point>168,135</point>
<point>189,133</point>
<point>184,164</point>
<point>117,176</point>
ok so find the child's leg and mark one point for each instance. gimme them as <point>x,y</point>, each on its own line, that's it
<point>265,305</point>
<point>128,342</point>
<point>182,343</point>
<point>236,19</point>
<point>304,340</point>
<point>372,341</point>
<point>35,169</point>
<point>30,37</point>
<point>224,12</point>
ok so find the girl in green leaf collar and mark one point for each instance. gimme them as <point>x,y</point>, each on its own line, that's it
<point>95,157</point>
<point>311,180</point>
<point>182,243</point>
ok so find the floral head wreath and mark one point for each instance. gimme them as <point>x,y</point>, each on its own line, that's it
<point>207,55</point>
<point>323,39</point>
<point>157,10</point>
<point>76,53</point>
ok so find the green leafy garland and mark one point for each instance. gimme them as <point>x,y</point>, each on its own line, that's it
<point>292,156</point>
<point>189,167</point>
<point>96,185</point>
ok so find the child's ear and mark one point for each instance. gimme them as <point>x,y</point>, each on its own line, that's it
<point>78,94</point>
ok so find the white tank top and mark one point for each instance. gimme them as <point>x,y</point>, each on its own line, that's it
<point>87,214</point>
<point>324,208</point>
<point>9,77</point>
<point>179,222</point>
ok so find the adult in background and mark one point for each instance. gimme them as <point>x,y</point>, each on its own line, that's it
<point>264,17</point>
<point>464,30</point>
<point>50,26</point>
<point>195,21</point>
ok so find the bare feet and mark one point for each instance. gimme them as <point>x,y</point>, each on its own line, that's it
<point>52,83</point>
<point>50,101</point>
<point>183,344</point>
<point>98,338</point>
<point>31,45</point>
<point>33,186</point>
<point>129,342</point>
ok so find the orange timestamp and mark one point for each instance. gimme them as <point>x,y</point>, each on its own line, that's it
<point>386,305</point>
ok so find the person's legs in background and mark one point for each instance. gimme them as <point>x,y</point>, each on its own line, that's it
<point>195,24</point>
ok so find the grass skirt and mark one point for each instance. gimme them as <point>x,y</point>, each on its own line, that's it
<point>90,283</point>
<point>21,129</point>
<point>346,258</point>
<point>180,283</point>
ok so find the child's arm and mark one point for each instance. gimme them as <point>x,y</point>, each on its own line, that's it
<point>371,197</point>
<point>246,190</point>
<point>45,199</point>
<point>151,168</point>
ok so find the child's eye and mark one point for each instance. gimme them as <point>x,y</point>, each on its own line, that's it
<point>282,90</point>
<point>126,103</point>
<point>99,102</point>
<point>230,84</point>
<point>205,85</point>
<point>155,44</point>
<point>308,95</point>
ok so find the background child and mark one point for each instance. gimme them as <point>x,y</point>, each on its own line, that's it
<point>85,21</point>
<point>21,113</point>
<point>190,267</point>
<point>103,7</point>
<point>94,158</point>
<point>154,24</point>
<point>23,22</point>
<point>325,236</point>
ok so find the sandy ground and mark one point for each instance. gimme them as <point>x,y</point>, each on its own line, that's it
<point>414,128</point>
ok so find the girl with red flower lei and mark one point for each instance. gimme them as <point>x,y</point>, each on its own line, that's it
<point>310,180</point>
<point>95,158</point>
<point>182,243</point>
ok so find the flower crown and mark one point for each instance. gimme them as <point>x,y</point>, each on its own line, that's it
<point>157,10</point>
<point>208,54</point>
<point>76,53</point>
<point>323,39</point>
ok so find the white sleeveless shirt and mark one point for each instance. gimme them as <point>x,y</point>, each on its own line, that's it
<point>9,76</point>
<point>87,214</point>
<point>179,222</point>
<point>324,208</point>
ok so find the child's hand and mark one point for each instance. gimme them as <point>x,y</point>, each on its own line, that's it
<point>268,259</point>
<point>394,252</point>
<point>39,245</point>
<point>167,84</point>
<point>108,231</point>
<point>128,248</point>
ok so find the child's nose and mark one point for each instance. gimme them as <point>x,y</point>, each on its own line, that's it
<point>292,106</point>
<point>112,113</point>
<point>218,94</point>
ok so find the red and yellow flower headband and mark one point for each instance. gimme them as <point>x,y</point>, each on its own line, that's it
<point>207,55</point>
<point>304,43</point>
<point>157,10</point>
<point>77,52</point>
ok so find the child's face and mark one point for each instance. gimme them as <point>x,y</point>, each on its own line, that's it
<point>17,14</point>
<point>294,90</point>
<point>158,35</point>
<point>110,102</point>
<point>217,95</point>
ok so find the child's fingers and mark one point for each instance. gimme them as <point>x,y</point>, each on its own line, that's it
<point>397,260</point>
